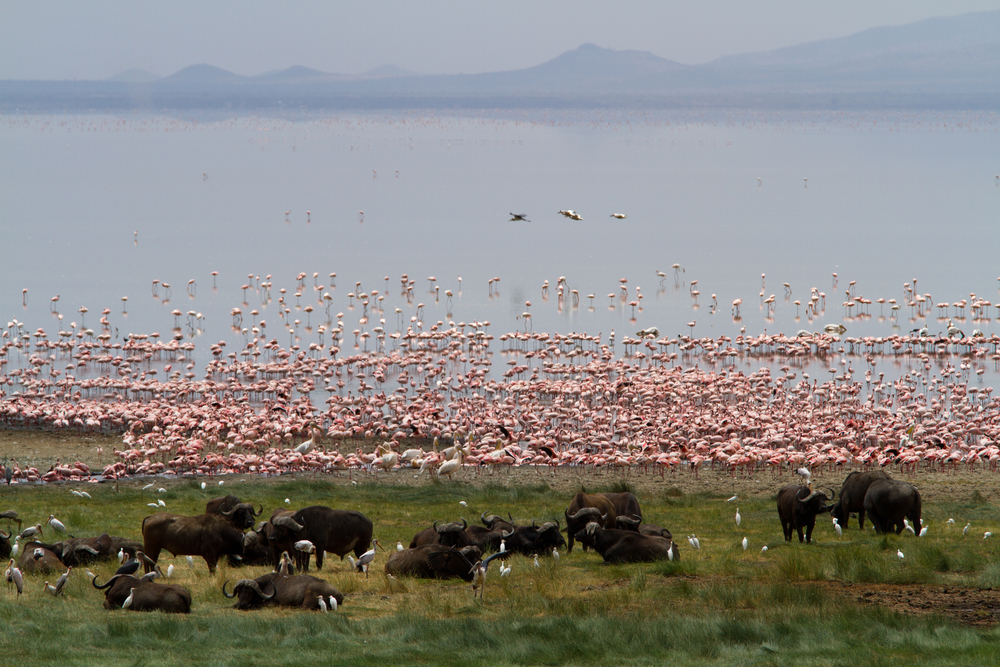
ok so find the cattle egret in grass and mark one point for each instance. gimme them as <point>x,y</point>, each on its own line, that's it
<point>288,501</point>
<point>950,522</point>
<point>746,543</point>
<point>836,527</point>
<point>85,494</point>
<point>735,497</point>
<point>161,490</point>
<point>738,517</point>
<point>161,503</point>
<point>670,552</point>
<point>965,531</point>
<point>190,562</point>
<point>333,603</point>
<point>170,570</point>
<point>763,549</point>
<point>321,603</point>
<point>128,600</point>
<point>399,546</point>
<point>536,563</point>
<point>987,535</point>
<point>923,531</point>
<point>151,505</point>
<point>504,570</point>
<point>463,503</point>
<point>221,482</point>
<point>555,555</point>
<point>121,556</point>
<point>694,541</point>
<point>906,525</point>
<point>148,486</point>
<point>203,486</point>
<point>899,554</point>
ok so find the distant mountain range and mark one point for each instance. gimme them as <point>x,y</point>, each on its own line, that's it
<point>939,61</point>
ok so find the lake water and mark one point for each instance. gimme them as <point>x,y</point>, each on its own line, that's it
<point>95,208</point>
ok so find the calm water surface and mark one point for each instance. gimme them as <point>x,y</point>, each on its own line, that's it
<point>95,208</point>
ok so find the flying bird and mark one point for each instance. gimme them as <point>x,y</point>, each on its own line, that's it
<point>514,217</point>
<point>620,216</point>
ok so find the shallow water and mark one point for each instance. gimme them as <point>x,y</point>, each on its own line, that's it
<point>96,208</point>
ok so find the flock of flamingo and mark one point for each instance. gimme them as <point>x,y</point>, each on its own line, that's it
<point>437,399</point>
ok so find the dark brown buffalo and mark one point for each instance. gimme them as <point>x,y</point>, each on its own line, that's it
<point>37,558</point>
<point>798,507</point>
<point>487,537</point>
<point>534,539</point>
<point>585,508</point>
<point>626,546</point>
<point>148,596</point>
<point>278,590</point>
<point>336,531</point>
<point>5,548</point>
<point>889,501</point>
<point>207,535</point>
<point>852,497</point>
<point>256,550</point>
<point>425,562</point>
<point>635,524</point>
<point>626,504</point>
<point>448,534</point>
<point>240,514</point>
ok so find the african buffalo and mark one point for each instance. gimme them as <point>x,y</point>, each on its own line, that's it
<point>147,596</point>
<point>487,537</point>
<point>336,531</point>
<point>207,535</point>
<point>434,561</point>
<point>852,497</point>
<point>36,558</point>
<point>635,524</point>
<point>448,534</point>
<point>280,590</point>
<point>256,550</point>
<point>5,547</point>
<point>626,504</point>
<point>533,539</point>
<point>585,508</point>
<point>889,501</point>
<point>240,514</point>
<point>626,546</point>
<point>798,507</point>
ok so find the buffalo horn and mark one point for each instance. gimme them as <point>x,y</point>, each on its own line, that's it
<point>7,536</point>
<point>548,525</point>
<point>833,494</point>
<point>258,512</point>
<point>506,533</point>
<point>592,527</point>
<point>488,521</point>
<point>809,497</point>
<point>465,524</point>
<point>230,511</point>
<point>629,520</point>
<point>288,522</point>
<point>586,512</point>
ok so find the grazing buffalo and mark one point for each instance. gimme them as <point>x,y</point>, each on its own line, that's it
<point>448,534</point>
<point>487,537</point>
<point>434,561</point>
<point>852,497</point>
<point>626,546</point>
<point>336,531</point>
<point>36,558</point>
<point>534,539</point>
<point>147,596</point>
<point>584,509</point>
<point>207,535</point>
<point>626,504</point>
<point>279,590</point>
<point>889,501</point>
<point>240,514</point>
<point>798,507</point>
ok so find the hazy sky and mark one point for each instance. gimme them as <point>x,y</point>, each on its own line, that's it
<point>41,39</point>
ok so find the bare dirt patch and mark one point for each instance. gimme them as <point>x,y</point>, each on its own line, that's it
<point>978,607</point>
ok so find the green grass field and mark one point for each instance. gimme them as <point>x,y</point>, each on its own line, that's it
<point>717,606</point>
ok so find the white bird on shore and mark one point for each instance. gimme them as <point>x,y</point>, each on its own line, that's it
<point>735,497</point>
<point>399,546</point>
<point>836,527</point>
<point>965,531</point>
<point>128,600</point>
<point>321,603</point>
<point>746,543</point>
<point>695,542</point>
<point>764,549</point>
<point>738,517</point>
<point>899,554</point>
